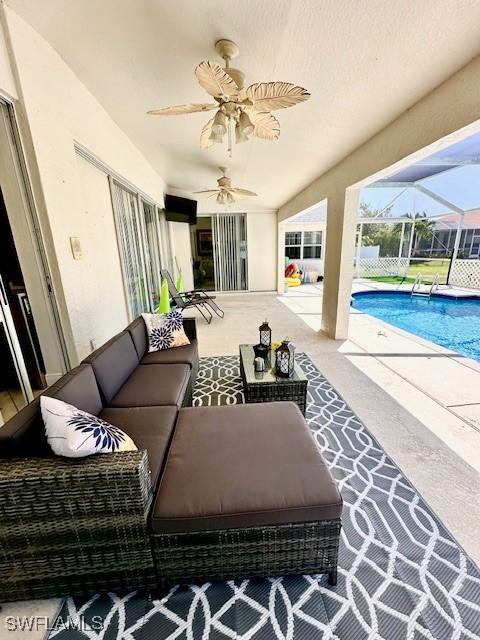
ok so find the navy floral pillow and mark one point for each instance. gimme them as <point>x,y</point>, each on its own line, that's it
<point>165,331</point>
<point>74,433</point>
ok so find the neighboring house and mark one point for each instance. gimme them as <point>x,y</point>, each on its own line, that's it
<point>305,240</point>
<point>442,242</point>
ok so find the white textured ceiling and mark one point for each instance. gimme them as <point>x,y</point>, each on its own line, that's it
<point>364,62</point>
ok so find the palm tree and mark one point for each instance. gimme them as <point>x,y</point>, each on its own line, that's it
<point>424,228</point>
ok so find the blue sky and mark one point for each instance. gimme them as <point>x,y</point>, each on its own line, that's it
<point>460,186</point>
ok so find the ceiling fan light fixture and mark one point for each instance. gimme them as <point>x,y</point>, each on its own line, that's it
<point>219,126</point>
<point>245,123</point>
<point>216,137</point>
<point>240,135</point>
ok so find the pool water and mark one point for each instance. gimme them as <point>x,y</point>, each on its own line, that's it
<point>451,323</point>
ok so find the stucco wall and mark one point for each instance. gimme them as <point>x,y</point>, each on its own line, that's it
<point>262,251</point>
<point>7,82</point>
<point>60,111</point>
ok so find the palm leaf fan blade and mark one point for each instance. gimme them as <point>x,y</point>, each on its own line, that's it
<point>205,140</point>
<point>214,80</point>
<point>265,125</point>
<point>268,96</point>
<point>244,192</point>
<point>183,108</point>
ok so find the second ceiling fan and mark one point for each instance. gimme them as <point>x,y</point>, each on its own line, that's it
<point>226,194</point>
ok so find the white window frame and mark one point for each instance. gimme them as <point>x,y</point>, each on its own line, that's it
<point>303,244</point>
<point>289,245</point>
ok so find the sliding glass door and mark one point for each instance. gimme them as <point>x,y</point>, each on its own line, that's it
<point>145,247</point>
<point>229,234</point>
<point>14,351</point>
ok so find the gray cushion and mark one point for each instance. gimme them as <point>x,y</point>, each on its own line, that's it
<point>150,428</point>
<point>113,364</point>
<point>78,387</point>
<point>138,333</point>
<point>24,434</point>
<point>243,466</point>
<point>188,354</point>
<point>153,385</point>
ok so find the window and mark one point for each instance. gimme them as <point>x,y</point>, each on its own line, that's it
<point>144,244</point>
<point>303,245</point>
<point>312,244</point>
<point>153,262</point>
<point>293,244</point>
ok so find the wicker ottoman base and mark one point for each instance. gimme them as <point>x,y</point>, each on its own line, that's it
<point>230,554</point>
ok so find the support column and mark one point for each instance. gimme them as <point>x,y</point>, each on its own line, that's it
<point>400,249</point>
<point>410,244</point>
<point>359,250</point>
<point>281,258</point>
<point>456,246</point>
<point>342,210</point>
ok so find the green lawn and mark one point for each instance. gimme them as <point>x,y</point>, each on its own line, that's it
<point>428,269</point>
<point>391,279</point>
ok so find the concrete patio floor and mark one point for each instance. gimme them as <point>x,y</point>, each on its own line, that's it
<point>434,444</point>
<point>436,448</point>
<point>438,386</point>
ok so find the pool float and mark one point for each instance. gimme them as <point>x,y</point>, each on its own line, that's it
<point>292,275</point>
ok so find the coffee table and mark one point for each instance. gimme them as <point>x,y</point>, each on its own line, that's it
<point>265,386</point>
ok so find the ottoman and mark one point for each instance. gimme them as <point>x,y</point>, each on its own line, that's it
<point>244,493</point>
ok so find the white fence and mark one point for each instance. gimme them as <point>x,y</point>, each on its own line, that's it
<point>466,273</point>
<point>368,267</point>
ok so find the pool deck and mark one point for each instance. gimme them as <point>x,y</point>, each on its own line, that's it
<point>439,387</point>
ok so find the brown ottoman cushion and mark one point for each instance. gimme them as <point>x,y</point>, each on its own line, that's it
<point>243,466</point>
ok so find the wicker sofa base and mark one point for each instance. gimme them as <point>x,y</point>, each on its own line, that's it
<point>230,554</point>
<point>75,527</point>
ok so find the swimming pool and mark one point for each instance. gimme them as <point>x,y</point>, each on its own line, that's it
<point>451,323</point>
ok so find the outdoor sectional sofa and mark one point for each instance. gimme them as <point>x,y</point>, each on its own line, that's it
<point>212,493</point>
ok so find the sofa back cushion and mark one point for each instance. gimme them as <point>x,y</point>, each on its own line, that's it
<point>138,333</point>
<point>113,364</point>
<point>24,434</point>
<point>79,388</point>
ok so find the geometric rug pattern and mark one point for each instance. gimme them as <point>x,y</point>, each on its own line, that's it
<point>401,575</point>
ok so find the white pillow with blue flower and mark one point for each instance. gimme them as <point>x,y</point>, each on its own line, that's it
<point>165,330</point>
<point>74,433</point>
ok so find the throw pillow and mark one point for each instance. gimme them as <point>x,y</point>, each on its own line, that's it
<point>165,330</point>
<point>74,433</point>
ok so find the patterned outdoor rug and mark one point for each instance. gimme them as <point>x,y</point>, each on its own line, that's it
<point>401,576</point>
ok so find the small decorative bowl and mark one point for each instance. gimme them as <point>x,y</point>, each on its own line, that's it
<point>261,351</point>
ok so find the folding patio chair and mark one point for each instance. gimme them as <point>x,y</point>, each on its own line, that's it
<point>198,299</point>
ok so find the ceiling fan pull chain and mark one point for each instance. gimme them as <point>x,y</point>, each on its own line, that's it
<point>229,137</point>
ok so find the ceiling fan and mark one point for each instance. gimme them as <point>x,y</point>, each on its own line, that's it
<point>248,110</point>
<point>226,194</point>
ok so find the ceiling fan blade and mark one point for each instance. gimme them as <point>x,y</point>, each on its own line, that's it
<point>207,191</point>
<point>205,141</point>
<point>268,96</point>
<point>243,192</point>
<point>214,80</point>
<point>265,125</point>
<point>182,108</point>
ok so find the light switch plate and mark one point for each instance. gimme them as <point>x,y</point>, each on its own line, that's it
<point>76,248</point>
